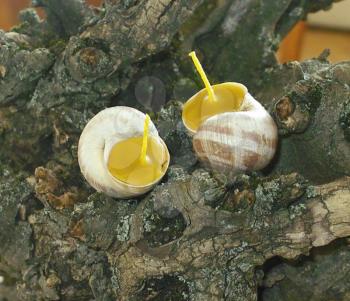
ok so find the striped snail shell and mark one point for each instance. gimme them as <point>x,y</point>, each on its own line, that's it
<point>102,132</point>
<point>233,142</point>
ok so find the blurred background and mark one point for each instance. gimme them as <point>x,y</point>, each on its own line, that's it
<point>329,29</point>
<point>325,29</point>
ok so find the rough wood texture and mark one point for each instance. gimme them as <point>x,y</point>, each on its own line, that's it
<point>324,276</point>
<point>235,57</point>
<point>196,236</point>
<point>311,108</point>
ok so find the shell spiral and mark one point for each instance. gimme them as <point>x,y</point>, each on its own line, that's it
<point>239,141</point>
<point>102,132</point>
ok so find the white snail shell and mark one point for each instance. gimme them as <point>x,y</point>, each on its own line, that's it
<point>234,142</point>
<point>102,132</point>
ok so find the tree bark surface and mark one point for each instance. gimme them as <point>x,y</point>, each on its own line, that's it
<point>198,235</point>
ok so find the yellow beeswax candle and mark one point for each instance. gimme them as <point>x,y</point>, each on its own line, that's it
<point>213,100</point>
<point>138,160</point>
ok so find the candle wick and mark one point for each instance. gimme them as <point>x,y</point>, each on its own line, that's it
<point>145,140</point>
<point>203,76</point>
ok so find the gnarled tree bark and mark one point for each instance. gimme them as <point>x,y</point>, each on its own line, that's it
<point>198,235</point>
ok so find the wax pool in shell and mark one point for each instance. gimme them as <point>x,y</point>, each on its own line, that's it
<point>125,165</point>
<point>228,98</point>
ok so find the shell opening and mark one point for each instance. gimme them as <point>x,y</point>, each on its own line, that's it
<point>197,109</point>
<point>124,162</point>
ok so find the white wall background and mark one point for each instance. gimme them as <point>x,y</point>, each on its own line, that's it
<point>337,17</point>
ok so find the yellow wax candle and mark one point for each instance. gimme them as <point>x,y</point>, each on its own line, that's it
<point>137,161</point>
<point>213,100</point>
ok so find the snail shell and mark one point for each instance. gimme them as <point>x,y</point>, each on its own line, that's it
<point>240,141</point>
<point>102,132</point>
